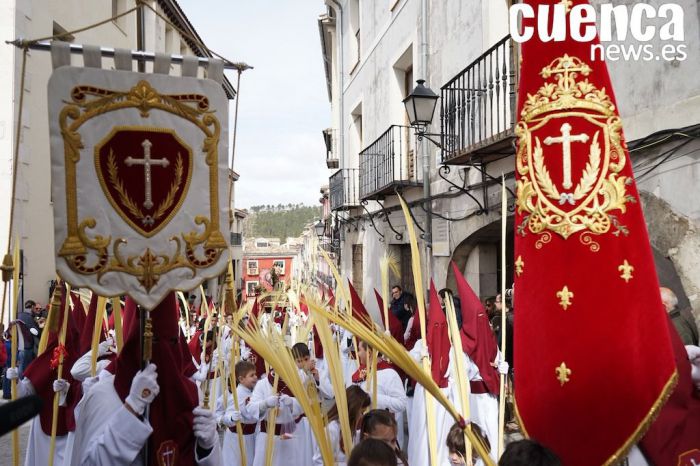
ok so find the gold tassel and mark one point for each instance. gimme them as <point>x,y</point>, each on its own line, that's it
<point>52,324</point>
<point>7,268</point>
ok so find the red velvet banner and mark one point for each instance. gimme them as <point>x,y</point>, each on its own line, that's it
<point>593,360</point>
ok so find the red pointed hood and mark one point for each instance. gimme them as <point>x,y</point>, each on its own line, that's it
<point>89,327</point>
<point>438,339</point>
<point>331,298</point>
<point>44,370</point>
<point>171,411</point>
<point>478,340</point>
<point>78,311</point>
<point>359,311</point>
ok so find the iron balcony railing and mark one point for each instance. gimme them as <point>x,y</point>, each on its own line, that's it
<point>343,189</point>
<point>477,110</point>
<point>387,163</point>
<point>236,239</point>
<point>330,139</point>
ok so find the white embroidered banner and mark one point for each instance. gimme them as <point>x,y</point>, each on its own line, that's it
<point>139,181</point>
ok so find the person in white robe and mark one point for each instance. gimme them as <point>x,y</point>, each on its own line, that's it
<point>391,394</point>
<point>115,427</point>
<point>229,416</point>
<point>288,446</point>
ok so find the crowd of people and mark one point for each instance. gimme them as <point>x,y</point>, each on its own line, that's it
<point>118,411</point>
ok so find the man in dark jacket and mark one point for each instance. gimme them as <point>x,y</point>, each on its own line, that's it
<point>400,305</point>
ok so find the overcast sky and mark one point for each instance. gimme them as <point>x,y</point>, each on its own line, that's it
<point>284,105</point>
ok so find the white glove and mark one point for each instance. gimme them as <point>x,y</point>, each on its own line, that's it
<point>88,383</point>
<point>12,373</point>
<point>286,400</point>
<point>61,387</point>
<point>694,358</point>
<point>409,326</point>
<point>144,388</point>
<point>204,426</point>
<point>104,347</point>
<point>503,367</point>
<point>232,418</point>
<point>272,401</point>
<point>246,353</point>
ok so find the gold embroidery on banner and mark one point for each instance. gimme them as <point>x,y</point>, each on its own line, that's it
<point>90,256</point>
<point>626,270</point>
<point>586,240</point>
<point>638,433</point>
<point>519,265</point>
<point>567,95</point>
<point>563,373</point>
<point>565,297</point>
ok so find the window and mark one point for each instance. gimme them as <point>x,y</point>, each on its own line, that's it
<point>252,267</point>
<point>251,288</point>
<point>354,25</point>
<point>62,33</point>
<point>170,39</point>
<point>279,265</point>
<point>119,7</point>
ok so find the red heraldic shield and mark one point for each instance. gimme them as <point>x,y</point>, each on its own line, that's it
<point>593,360</point>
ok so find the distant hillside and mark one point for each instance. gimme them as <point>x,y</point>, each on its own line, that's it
<point>280,221</point>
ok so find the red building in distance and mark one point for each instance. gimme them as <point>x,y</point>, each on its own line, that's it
<point>266,264</point>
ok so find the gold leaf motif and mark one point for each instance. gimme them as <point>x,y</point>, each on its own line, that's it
<point>170,198</point>
<point>590,173</point>
<point>118,186</point>
<point>542,174</point>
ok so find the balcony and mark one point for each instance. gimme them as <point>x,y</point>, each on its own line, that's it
<point>477,111</point>
<point>236,239</point>
<point>330,138</point>
<point>388,163</point>
<point>343,186</point>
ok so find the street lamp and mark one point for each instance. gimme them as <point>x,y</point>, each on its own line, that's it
<point>420,104</point>
<point>320,229</point>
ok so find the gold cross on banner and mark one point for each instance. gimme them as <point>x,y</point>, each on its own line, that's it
<point>147,161</point>
<point>565,140</point>
<point>563,373</point>
<point>626,270</point>
<point>565,297</point>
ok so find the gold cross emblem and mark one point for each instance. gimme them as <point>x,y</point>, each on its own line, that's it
<point>567,4</point>
<point>626,270</point>
<point>519,264</point>
<point>565,297</point>
<point>563,373</point>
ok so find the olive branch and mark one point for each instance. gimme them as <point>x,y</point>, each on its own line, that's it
<point>118,186</point>
<point>590,173</point>
<point>543,178</point>
<point>170,198</point>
